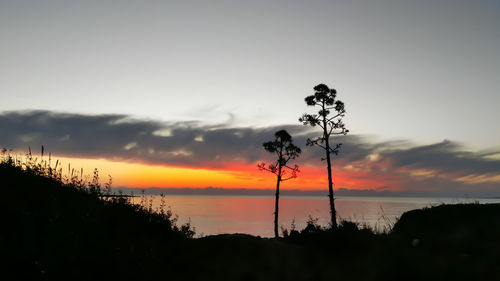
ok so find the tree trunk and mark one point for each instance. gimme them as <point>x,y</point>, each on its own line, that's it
<point>276,205</point>
<point>330,191</point>
<point>333,213</point>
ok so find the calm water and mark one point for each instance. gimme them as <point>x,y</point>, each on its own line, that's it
<point>254,214</point>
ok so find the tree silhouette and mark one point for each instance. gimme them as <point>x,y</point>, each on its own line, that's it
<point>285,151</point>
<point>325,99</point>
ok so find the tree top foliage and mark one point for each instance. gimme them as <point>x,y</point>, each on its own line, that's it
<point>329,116</point>
<point>285,151</point>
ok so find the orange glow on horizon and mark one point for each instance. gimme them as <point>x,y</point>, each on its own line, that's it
<point>238,175</point>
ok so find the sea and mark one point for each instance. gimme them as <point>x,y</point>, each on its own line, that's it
<point>211,215</point>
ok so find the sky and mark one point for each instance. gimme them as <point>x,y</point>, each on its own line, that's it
<point>180,90</point>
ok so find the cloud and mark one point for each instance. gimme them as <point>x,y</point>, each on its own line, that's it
<point>445,156</point>
<point>440,167</point>
<point>121,137</point>
<point>394,165</point>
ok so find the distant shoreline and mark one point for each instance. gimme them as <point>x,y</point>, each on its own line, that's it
<point>216,191</point>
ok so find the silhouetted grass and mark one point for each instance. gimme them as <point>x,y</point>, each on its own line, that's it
<point>67,226</point>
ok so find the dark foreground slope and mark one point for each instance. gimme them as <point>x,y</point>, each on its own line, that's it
<point>55,231</point>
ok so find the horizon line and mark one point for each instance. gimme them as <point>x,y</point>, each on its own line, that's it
<point>297,192</point>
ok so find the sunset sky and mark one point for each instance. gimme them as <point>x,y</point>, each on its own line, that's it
<point>184,93</point>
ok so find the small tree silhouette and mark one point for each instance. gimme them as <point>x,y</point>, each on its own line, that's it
<point>325,99</point>
<point>285,151</point>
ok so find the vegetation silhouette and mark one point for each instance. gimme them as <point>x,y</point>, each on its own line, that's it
<point>326,99</point>
<point>69,226</point>
<point>285,151</point>
<point>55,227</point>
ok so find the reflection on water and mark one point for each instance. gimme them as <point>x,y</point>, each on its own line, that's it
<point>254,214</point>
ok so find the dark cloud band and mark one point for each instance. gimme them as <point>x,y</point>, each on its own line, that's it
<point>193,144</point>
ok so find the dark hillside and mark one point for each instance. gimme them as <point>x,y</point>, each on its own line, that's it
<point>461,240</point>
<point>56,228</point>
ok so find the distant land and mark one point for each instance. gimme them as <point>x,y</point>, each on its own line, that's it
<point>216,191</point>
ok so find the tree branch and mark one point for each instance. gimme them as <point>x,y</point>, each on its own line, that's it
<point>289,178</point>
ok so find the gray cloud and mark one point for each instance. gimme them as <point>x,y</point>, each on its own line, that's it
<point>193,144</point>
<point>125,138</point>
<point>445,156</point>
